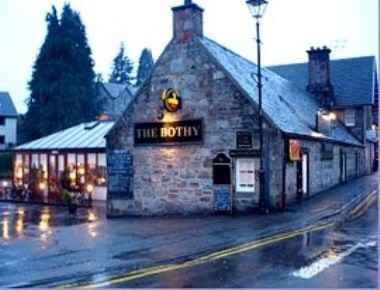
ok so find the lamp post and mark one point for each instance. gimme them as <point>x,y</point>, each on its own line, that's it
<point>257,9</point>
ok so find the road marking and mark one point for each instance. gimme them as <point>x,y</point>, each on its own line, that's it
<point>332,258</point>
<point>201,260</point>
<point>361,208</point>
<point>150,271</point>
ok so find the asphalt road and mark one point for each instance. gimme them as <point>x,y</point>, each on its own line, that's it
<point>330,258</point>
<point>45,247</point>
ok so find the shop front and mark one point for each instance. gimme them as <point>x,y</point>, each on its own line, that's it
<point>73,160</point>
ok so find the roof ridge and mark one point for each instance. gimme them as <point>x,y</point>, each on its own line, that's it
<point>332,60</point>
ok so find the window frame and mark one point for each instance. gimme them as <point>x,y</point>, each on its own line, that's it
<point>350,117</point>
<point>248,188</point>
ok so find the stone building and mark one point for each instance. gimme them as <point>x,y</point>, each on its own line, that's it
<point>352,88</point>
<point>188,141</point>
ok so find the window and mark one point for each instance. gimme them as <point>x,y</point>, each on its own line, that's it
<point>102,169</point>
<point>245,175</point>
<point>349,118</point>
<point>2,121</point>
<point>327,152</point>
<point>221,170</point>
<point>2,139</point>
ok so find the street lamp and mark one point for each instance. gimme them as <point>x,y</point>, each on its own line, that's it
<point>257,9</point>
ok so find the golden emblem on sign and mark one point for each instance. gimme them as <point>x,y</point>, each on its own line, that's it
<point>171,100</point>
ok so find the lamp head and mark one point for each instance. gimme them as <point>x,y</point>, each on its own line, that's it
<point>257,7</point>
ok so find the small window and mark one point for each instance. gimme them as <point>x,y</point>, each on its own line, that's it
<point>221,170</point>
<point>349,118</point>
<point>2,121</point>
<point>245,175</point>
<point>2,139</point>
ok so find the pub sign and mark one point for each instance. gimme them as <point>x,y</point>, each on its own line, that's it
<point>182,132</point>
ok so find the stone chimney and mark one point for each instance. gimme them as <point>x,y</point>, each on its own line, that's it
<point>320,77</point>
<point>188,22</point>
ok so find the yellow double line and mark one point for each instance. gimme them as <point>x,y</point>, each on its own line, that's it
<point>150,271</point>
<point>361,208</point>
<point>199,261</point>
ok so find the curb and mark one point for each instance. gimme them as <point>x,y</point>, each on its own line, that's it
<point>41,203</point>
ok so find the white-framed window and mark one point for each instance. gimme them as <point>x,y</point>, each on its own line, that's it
<point>349,118</point>
<point>245,175</point>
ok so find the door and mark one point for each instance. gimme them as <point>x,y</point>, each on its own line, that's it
<point>343,166</point>
<point>303,176</point>
<point>222,183</point>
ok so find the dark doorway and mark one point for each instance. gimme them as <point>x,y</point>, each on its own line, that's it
<point>221,174</point>
<point>343,166</point>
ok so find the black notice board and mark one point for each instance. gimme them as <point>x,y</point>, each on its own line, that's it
<point>244,140</point>
<point>120,174</point>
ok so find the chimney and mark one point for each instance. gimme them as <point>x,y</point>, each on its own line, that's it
<point>188,22</point>
<point>319,76</point>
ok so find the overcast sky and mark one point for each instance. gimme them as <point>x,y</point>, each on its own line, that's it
<point>290,27</point>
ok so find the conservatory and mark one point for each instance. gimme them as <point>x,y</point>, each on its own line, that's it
<point>73,159</point>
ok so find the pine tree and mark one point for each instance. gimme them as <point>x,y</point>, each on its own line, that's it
<point>63,91</point>
<point>122,68</point>
<point>43,73</point>
<point>146,63</point>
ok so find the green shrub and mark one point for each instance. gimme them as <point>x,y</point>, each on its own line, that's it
<point>6,165</point>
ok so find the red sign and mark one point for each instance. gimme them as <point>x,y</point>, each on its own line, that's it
<point>294,150</point>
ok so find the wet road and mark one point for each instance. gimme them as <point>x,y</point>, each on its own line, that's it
<point>331,258</point>
<point>44,247</point>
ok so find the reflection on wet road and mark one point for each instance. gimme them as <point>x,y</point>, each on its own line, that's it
<point>45,247</point>
<point>338,258</point>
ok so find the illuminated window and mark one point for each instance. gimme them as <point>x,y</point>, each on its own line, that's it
<point>102,169</point>
<point>26,168</point>
<point>245,175</point>
<point>349,118</point>
<point>44,165</point>
<point>35,161</point>
<point>61,164</point>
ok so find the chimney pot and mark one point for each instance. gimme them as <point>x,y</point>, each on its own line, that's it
<point>319,76</point>
<point>188,22</point>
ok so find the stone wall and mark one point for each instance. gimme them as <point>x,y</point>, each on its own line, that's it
<point>178,179</point>
<point>324,174</point>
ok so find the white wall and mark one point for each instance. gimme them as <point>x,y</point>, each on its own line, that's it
<point>9,130</point>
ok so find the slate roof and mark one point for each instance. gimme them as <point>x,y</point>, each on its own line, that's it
<point>7,108</point>
<point>292,110</point>
<point>115,98</point>
<point>352,78</point>
<point>84,136</point>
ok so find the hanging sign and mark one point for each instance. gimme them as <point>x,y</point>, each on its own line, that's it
<point>171,100</point>
<point>294,150</point>
<point>168,133</point>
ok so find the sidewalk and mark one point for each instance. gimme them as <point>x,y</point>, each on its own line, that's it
<point>87,250</point>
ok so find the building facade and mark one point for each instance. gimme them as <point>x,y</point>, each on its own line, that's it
<point>8,122</point>
<point>351,88</point>
<point>188,141</point>
<point>72,159</point>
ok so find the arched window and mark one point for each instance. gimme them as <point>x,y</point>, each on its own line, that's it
<point>221,170</point>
